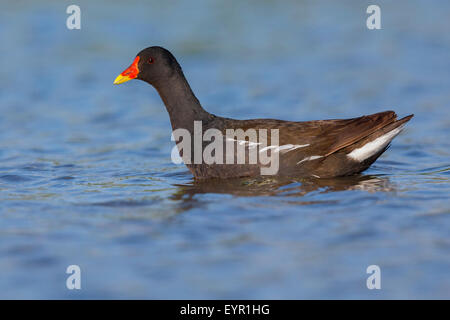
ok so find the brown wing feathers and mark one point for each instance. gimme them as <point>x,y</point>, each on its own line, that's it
<point>378,133</point>
<point>324,136</point>
<point>357,129</point>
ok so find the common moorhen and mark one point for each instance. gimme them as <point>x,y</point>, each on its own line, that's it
<point>320,149</point>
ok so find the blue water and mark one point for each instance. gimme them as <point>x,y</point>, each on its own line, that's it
<point>86,176</point>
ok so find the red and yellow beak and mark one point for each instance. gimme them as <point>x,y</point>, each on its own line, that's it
<point>130,73</point>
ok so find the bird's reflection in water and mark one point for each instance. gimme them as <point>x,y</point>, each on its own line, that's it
<point>281,186</point>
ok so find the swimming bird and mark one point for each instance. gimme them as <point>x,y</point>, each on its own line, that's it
<point>318,149</point>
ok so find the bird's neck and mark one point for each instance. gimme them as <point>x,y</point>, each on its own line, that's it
<point>181,103</point>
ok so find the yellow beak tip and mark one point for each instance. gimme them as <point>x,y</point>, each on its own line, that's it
<point>121,79</point>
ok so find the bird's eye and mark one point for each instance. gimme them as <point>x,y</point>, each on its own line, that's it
<point>150,60</point>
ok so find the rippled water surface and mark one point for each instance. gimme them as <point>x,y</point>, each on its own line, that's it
<point>86,176</point>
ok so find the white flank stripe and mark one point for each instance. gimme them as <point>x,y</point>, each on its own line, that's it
<point>290,147</point>
<point>267,148</point>
<point>371,148</point>
<point>242,142</point>
<point>310,158</point>
<point>283,148</point>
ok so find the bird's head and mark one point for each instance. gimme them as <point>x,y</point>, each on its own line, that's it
<point>152,65</point>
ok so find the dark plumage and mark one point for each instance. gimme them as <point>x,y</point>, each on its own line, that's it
<point>324,148</point>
